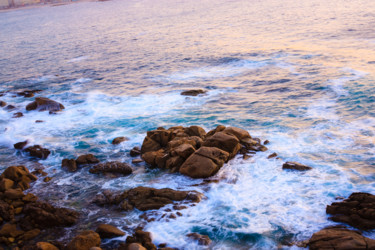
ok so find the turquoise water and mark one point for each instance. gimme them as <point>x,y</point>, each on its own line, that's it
<point>298,74</point>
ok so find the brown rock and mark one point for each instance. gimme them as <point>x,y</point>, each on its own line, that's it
<point>45,246</point>
<point>10,230</point>
<point>20,145</point>
<point>135,246</point>
<point>273,155</point>
<point>120,139</point>
<point>108,231</point>
<point>135,151</point>
<point>13,194</point>
<point>17,115</point>
<point>205,162</point>
<point>295,166</point>
<point>358,211</point>
<point>47,179</point>
<point>195,131</point>
<point>29,198</point>
<point>10,107</point>
<point>143,238</point>
<point>224,141</point>
<point>202,239</point>
<point>38,152</point>
<point>136,161</point>
<point>217,129</point>
<point>69,164</point>
<point>3,104</point>
<point>44,104</point>
<point>86,159</point>
<point>84,241</point>
<point>340,238</point>
<point>28,93</point>
<point>6,184</point>
<point>112,167</point>
<point>31,234</point>
<point>266,142</point>
<point>193,92</point>
<point>184,150</point>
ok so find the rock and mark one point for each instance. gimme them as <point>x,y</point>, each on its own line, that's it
<point>143,238</point>
<point>39,121</point>
<point>358,211</point>
<point>193,92</point>
<point>10,230</point>
<point>6,212</point>
<point>44,215</point>
<point>9,107</point>
<point>136,161</point>
<point>29,198</point>
<point>241,134</point>
<point>108,231</point>
<point>118,140</point>
<point>28,93</point>
<point>224,141</point>
<point>47,179</point>
<point>84,241</point>
<point>195,131</point>
<point>20,145</point>
<point>202,239</point>
<point>44,104</point>
<point>20,175</point>
<point>31,234</point>
<point>184,150</point>
<point>112,167</point>
<point>135,246</point>
<point>214,131</point>
<point>17,115</point>
<point>273,155</point>
<point>14,194</point>
<point>38,152</point>
<point>86,159</point>
<point>295,166</point>
<point>45,246</point>
<point>340,238</point>
<point>266,142</point>
<point>205,162</point>
<point>135,151</point>
<point>3,104</point>
<point>6,184</point>
<point>69,164</point>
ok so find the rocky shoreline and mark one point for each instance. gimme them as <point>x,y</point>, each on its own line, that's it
<point>190,151</point>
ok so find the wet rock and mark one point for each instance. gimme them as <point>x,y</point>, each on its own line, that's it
<point>10,230</point>
<point>135,151</point>
<point>108,231</point>
<point>28,93</point>
<point>38,121</point>
<point>295,166</point>
<point>141,237</point>
<point>44,215</point>
<point>69,164</point>
<point>120,139</point>
<point>31,234</point>
<point>273,155</point>
<point>45,246</point>
<point>3,104</point>
<point>13,194</point>
<point>20,176</point>
<point>205,162</point>
<point>224,141</point>
<point>44,104</point>
<point>17,115</point>
<point>135,246</point>
<point>87,159</point>
<point>112,167</point>
<point>38,152</point>
<point>202,239</point>
<point>47,179</point>
<point>136,161</point>
<point>84,241</point>
<point>6,184</point>
<point>358,211</point>
<point>266,142</point>
<point>20,145</point>
<point>340,238</point>
<point>195,131</point>
<point>193,92</point>
<point>9,107</point>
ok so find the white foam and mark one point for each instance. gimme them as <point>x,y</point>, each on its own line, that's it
<point>78,59</point>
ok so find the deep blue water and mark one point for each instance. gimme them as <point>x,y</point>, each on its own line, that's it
<point>300,74</point>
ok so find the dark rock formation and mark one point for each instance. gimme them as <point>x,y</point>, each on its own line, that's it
<point>273,155</point>
<point>20,145</point>
<point>17,115</point>
<point>340,238</point>
<point>193,92</point>
<point>87,159</point>
<point>45,104</point>
<point>120,139</point>
<point>358,211</point>
<point>38,152</point>
<point>84,241</point>
<point>16,177</point>
<point>69,164</point>
<point>141,237</point>
<point>108,231</point>
<point>10,107</point>
<point>202,239</point>
<point>3,104</point>
<point>135,151</point>
<point>28,93</point>
<point>295,166</point>
<point>112,167</point>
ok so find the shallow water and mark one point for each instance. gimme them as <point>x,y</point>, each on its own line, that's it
<point>300,74</point>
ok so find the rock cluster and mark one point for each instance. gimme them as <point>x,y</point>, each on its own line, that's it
<point>195,153</point>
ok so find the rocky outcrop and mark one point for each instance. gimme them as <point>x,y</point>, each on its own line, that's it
<point>120,139</point>
<point>193,92</point>
<point>339,238</point>
<point>145,198</point>
<point>112,167</point>
<point>38,152</point>
<point>295,166</point>
<point>45,104</point>
<point>84,241</point>
<point>20,145</point>
<point>358,211</point>
<point>201,239</point>
<point>108,231</point>
<point>193,152</point>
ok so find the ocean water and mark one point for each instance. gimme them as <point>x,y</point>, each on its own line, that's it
<point>299,74</point>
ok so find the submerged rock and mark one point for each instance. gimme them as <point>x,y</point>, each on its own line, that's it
<point>38,152</point>
<point>108,231</point>
<point>17,115</point>
<point>120,139</point>
<point>357,211</point>
<point>28,93</point>
<point>295,166</point>
<point>340,238</point>
<point>112,167</point>
<point>17,177</point>
<point>44,104</point>
<point>202,239</point>
<point>193,92</point>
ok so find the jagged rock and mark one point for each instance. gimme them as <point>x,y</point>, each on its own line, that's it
<point>266,142</point>
<point>86,159</point>
<point>112,167</point>
<point>38,152</point>
<point>215,130</point>
<point>45,246</point>
<point>205,162</point>
<point>44,104</point>
<point>44,215</point>
<point>135,151</point>
<point>143,238</point>
<point>195,131</point>
<point>108,231</point>
<point>20,145</point>
<point>358,211</point>
<point>340,238</point>
<point>137,161</point>
<point>193,92</point>
<point>69,164</point>
<point>118,140</point>
<point>295,166</point>
<point>6,184</point>
<point>202,239</point>
<point>241,134</point>
<point>224,141</point>
<point>84,241</point>
<point>20,176</point>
